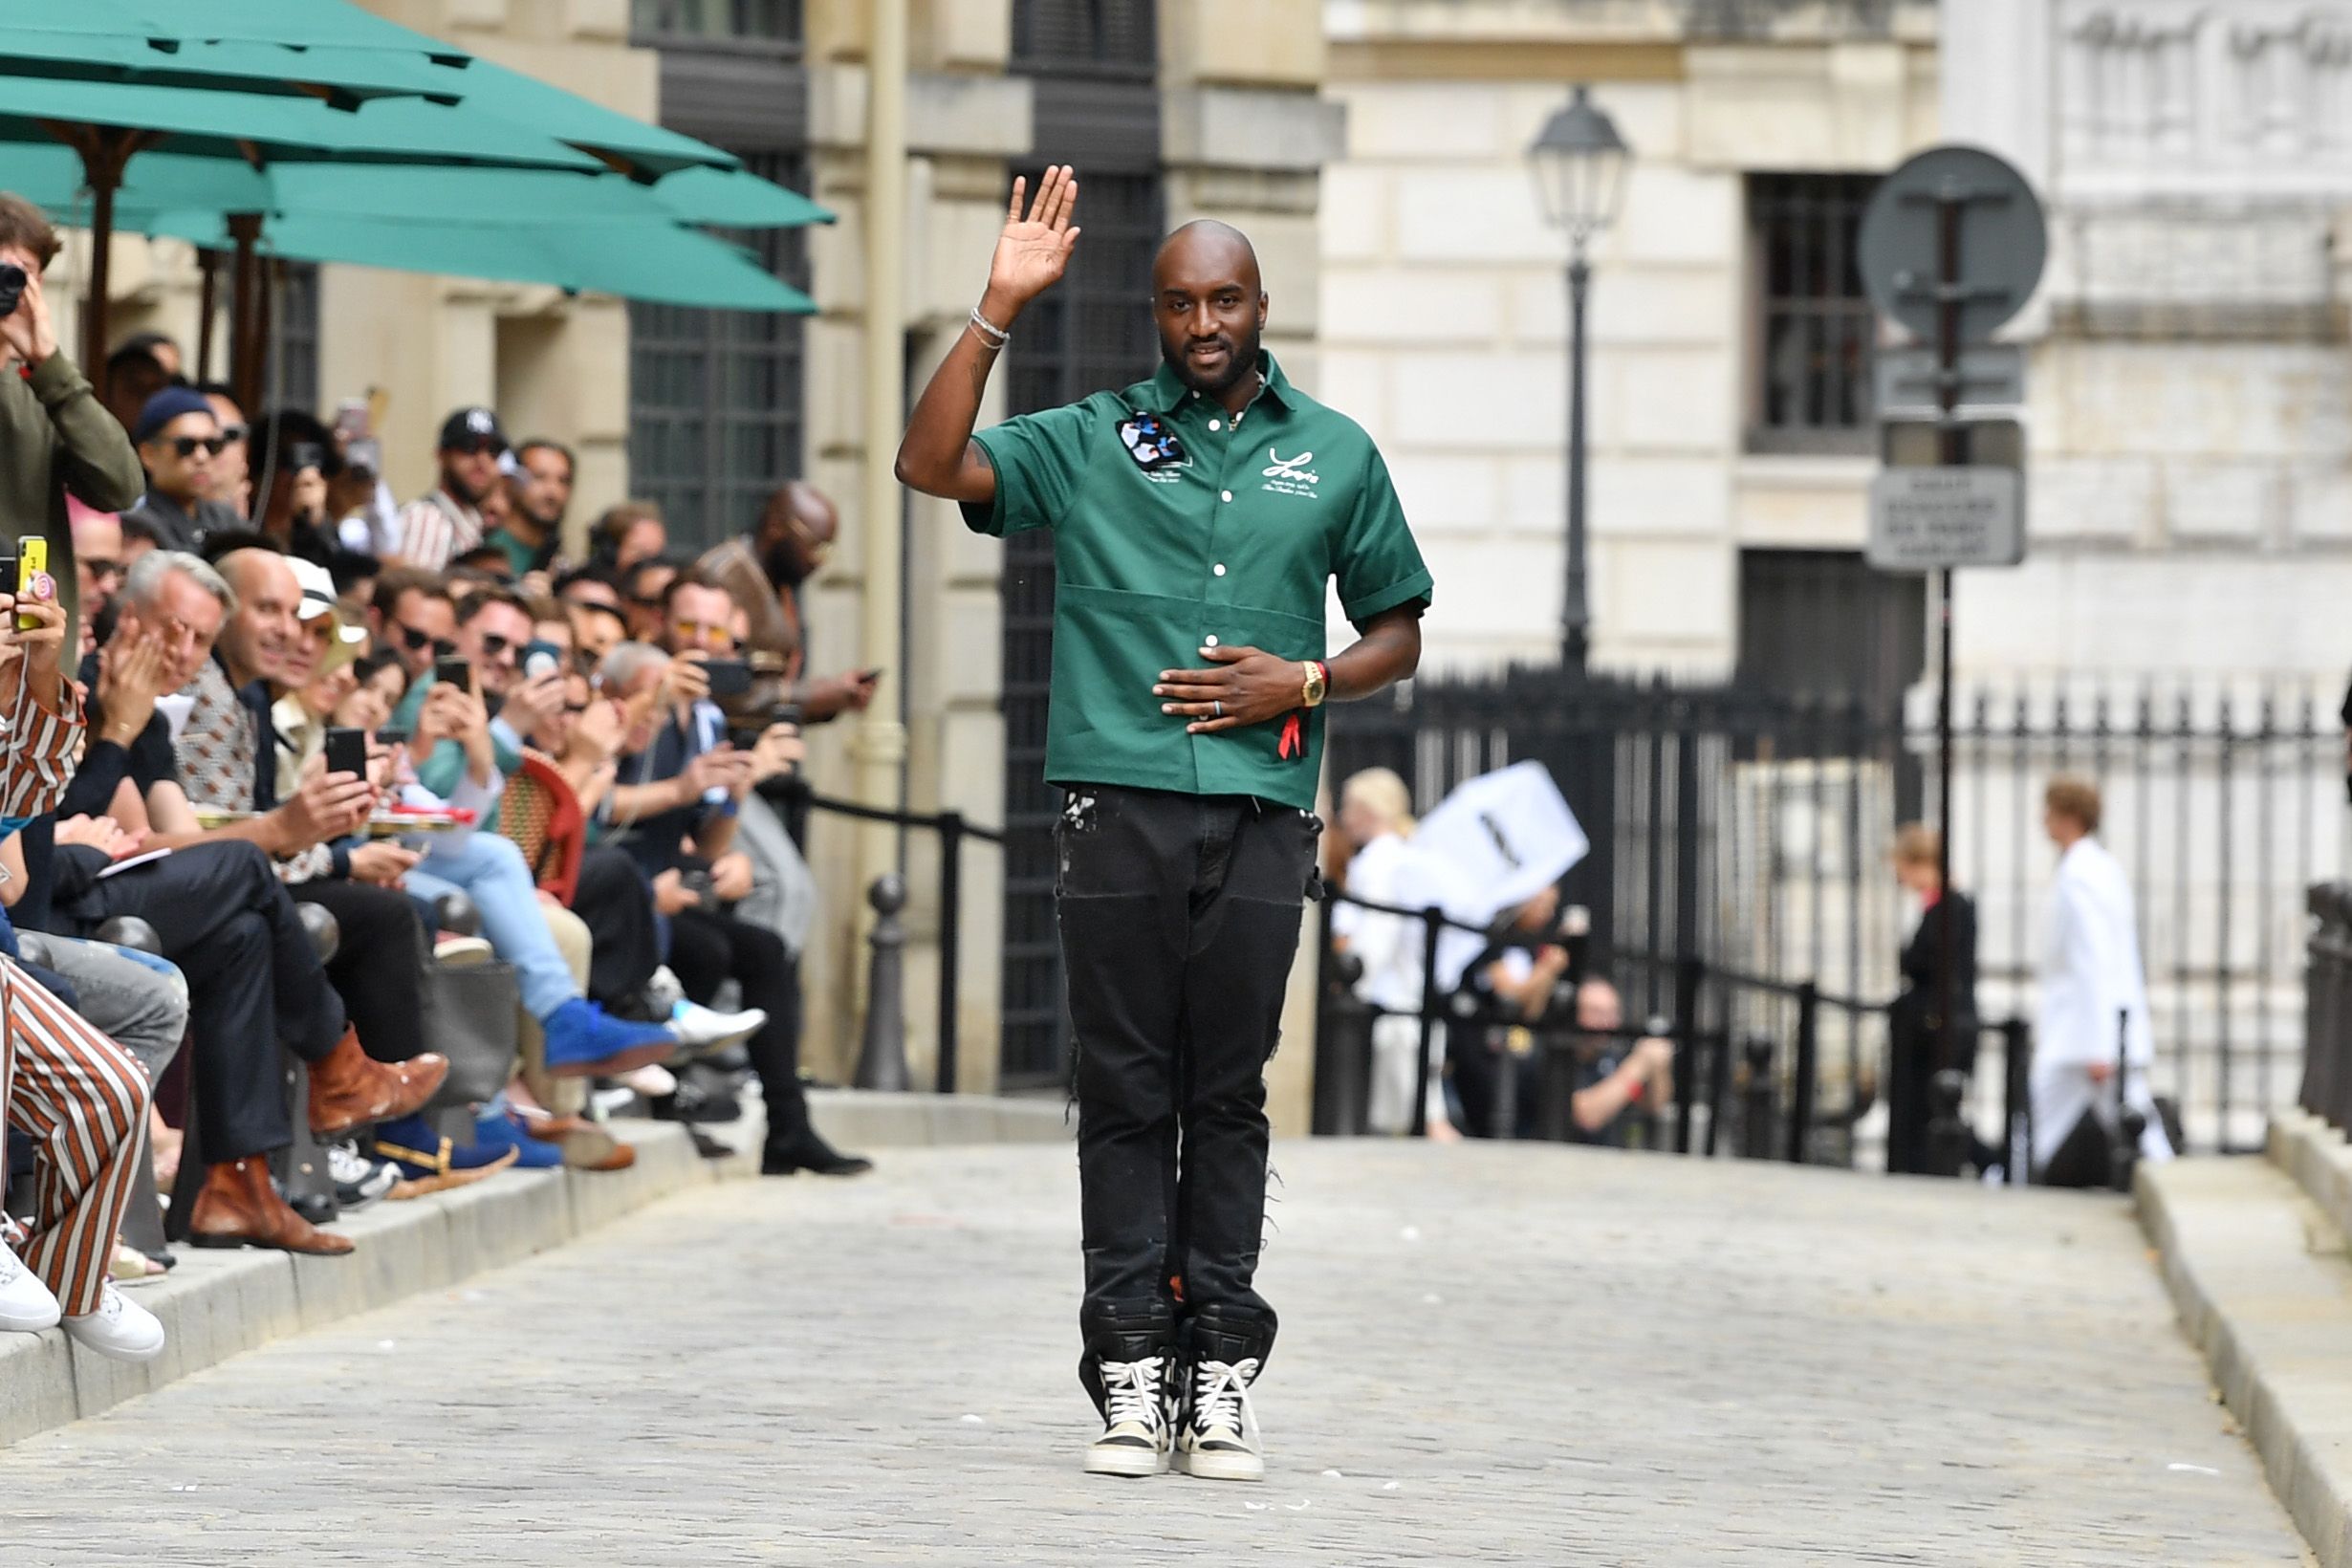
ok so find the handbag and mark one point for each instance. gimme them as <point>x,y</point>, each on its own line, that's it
<point>470,1016</point>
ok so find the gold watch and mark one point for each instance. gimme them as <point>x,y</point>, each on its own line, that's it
<point>1318,686</point>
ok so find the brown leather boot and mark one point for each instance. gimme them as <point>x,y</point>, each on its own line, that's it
<point>238,1207</point>
<point>350,1090</point>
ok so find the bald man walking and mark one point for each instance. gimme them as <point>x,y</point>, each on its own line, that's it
<point>1198,519</point>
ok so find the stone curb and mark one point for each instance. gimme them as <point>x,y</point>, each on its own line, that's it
<point>2264,1291</point>
<point>217,1304</point>
<point>2317,1156</point>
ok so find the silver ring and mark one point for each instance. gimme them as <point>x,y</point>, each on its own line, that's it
<point>1218,706</point>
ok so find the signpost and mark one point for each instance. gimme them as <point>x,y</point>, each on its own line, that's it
<point>1952,247</point>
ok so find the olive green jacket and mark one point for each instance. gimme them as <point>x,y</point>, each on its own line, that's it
<point>54,437</point>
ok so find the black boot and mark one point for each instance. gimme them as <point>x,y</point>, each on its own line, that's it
<point>1128,1368</point>
<point>804,1150</point>
<point>1224,1350</point>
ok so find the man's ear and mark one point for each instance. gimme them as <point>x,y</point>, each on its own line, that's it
<point>1261,310</point>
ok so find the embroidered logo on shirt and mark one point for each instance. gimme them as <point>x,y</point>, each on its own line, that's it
<point>1290,475</point>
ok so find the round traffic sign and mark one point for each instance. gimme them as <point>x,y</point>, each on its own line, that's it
<point>2000,241</point>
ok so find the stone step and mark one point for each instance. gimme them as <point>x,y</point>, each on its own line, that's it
<point>2259,1275</point>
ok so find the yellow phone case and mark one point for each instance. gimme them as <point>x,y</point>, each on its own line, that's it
<point>33,580</point>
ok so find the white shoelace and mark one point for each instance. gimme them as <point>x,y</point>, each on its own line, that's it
<point>1131,1392</point>
<point>1221,1399</point>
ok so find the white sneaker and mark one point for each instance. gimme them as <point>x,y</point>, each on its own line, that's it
<point>1219,1439</point>
<point>120,1330</point>
<point>698,1028</point>
<point>26,1306</point>
<point>1135,1426</point>
<point>652,1081</point>
<point>664,990</point>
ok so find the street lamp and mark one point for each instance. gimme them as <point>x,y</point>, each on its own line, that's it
<point>1579,165</point>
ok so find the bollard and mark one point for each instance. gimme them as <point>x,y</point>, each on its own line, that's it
<point>1343,1064</point>
<point>2129,1118</point>
<point>1758,1098</point>
<point>882,1057</point>
<point>2016,1102</point>
<point>1948,1130</point>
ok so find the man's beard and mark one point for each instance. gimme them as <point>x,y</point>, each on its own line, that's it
<point>782,564</point>
<point>1240,362</point>
<point>455,484</point>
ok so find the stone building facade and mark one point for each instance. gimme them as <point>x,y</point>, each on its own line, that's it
<point>2191,408</point>
<point>1730,419</point>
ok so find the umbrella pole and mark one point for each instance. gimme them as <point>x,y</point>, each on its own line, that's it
<point>105,151</point>
<point>244,348</point>
<point>208,267</point>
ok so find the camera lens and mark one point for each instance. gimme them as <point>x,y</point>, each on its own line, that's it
<point>12,281</point>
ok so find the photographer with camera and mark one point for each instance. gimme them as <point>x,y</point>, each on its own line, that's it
<point>56,437</point>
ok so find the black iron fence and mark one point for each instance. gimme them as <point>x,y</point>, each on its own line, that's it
<point>1748,832</point>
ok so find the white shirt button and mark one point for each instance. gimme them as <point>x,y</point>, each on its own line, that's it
<point>1217,425</point>
<point>1219,568</point>
<point>1226,494</point>
<point>1208,641</point>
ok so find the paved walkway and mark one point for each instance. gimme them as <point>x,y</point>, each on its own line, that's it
<point>1494,1356</point>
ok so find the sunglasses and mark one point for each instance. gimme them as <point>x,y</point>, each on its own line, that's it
<point>476,445</point>
<point>100,570</point>
<point>418,642</point>
<point>493,644</point>
<point>232,433</point>
<point>187,446</point>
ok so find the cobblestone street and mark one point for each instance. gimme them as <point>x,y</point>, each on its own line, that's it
<point>1524,1355</point>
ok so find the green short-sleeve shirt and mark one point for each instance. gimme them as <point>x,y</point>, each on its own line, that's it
<point>1233,542</point>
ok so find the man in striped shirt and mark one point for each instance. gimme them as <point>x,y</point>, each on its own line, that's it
<point>432,532</point>
<point>80,1097</point>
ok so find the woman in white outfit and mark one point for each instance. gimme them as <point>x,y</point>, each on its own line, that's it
<point>1376,817</point>
<point>2093,994</point>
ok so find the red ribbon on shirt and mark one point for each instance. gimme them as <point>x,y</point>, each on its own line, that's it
<point>1294,744</point>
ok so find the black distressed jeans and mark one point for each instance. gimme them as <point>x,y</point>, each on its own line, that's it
<point>1179,916</point>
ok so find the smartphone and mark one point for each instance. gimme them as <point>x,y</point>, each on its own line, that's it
<point>728,677</point>
<point>347,751</point>
<point>451,671</point>
<point>540,659</point>
<point>351,419</point>
<point>33,578</point>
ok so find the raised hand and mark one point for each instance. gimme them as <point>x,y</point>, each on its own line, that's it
<point>1033,251</point>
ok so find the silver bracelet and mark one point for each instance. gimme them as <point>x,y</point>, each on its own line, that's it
<point>995,336</point>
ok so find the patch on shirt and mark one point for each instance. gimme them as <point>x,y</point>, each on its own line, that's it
<point>1152,445</point>
<point>1289,475</point>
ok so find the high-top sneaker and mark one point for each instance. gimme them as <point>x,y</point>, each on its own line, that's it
<point>1216,1436</point>
<point>1130,1371</point>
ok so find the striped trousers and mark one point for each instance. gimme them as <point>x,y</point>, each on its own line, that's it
<point>83,1100</point>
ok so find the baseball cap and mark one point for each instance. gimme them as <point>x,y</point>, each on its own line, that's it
<point>471,426</point>
<point>318,598</point>
<point>164,407</point>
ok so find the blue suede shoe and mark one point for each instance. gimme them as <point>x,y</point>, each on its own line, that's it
<point>497,1133</point>
<point>586,1041</point>
<point>430,1163</point>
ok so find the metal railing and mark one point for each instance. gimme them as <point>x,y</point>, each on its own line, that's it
<point>882,1061</point>
<point>1751,829</point>
<point>1750,1069</point>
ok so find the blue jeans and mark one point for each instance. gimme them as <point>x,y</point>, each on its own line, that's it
<point>490,870</point>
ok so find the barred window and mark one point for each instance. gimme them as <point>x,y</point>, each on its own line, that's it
<point>716,405</point>
<point>1814,328</point>
<point>768,20</point>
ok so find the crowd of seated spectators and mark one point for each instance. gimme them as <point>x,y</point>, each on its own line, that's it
<point>289,769</point>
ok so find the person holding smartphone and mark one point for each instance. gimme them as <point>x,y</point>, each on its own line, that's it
<point>674,808</point>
